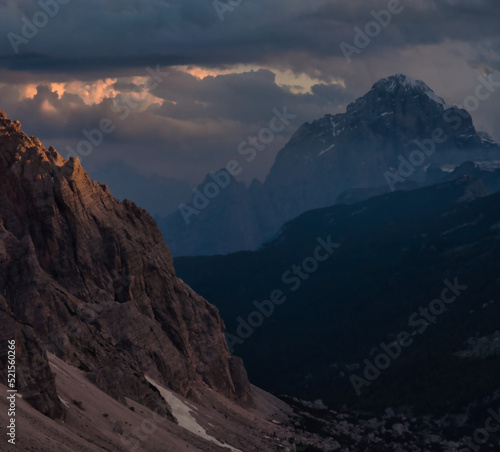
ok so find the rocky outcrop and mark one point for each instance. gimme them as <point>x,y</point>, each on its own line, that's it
<point>32,369</point>
<point>90,279</point>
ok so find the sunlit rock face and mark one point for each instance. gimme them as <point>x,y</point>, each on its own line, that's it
<point>90,279</point>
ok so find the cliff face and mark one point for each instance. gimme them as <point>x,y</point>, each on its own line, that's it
<point>90,279</point>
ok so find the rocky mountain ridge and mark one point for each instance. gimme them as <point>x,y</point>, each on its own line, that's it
<point>90,279</point>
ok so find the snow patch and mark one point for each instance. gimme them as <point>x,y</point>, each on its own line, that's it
<point>488,165</point>
<point>487,139</point>
<point>335,132</point>
<point>448,168</point>
<point>183,415</point>
<point>408,83</point>
<point>66,404</point>
<point>326,150</point>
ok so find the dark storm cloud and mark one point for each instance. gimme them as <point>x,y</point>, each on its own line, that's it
<point>96,35</point>
<point>242,97</point>
<point>331,93</point>
<point>128,87</point>
<point>198,123</point>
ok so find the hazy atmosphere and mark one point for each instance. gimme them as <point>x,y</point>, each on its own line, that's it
<point>250,225</point>
<point>228,67</point>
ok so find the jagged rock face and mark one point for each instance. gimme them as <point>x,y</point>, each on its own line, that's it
<point>32,368</point>
<point>93,280</point>
<point>335,154</point>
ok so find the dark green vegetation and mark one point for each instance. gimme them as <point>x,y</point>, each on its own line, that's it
<point>396,250</point>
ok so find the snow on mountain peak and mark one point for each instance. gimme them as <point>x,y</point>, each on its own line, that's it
<point>394,82</point>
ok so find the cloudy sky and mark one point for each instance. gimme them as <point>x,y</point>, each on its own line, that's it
<point>219,68</point>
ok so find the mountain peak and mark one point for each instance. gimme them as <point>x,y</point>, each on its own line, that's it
<point>401,83</point>
<point>400,80</point>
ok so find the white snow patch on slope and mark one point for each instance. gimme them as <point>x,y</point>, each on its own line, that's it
<point>183,415</point>
<point>66,404</point>
<point>410,83</point>
<point>327,149</point>
<point>431,95</point>
<point>487,139</point>
<point>448,168</point>
<point>335,132</point>
<point>488,165</point>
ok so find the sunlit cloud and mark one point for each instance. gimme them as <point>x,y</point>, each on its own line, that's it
<point>297,83</point>
<point>47,107</point>
<point>28,91</point>
<point>94,92</point>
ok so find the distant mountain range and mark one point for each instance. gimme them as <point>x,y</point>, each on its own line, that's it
<point>114,352</point>
<point>386,299</point>
<point>386,140</point>
<point>305,322</point>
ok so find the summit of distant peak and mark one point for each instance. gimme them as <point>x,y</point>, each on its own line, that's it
<point>396,83</point>
<point>396,80</point>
